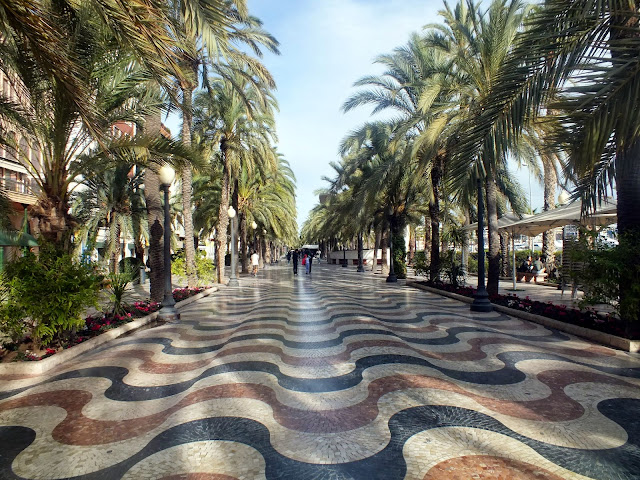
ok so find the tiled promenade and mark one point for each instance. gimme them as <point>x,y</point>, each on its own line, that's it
<point>336,375</point>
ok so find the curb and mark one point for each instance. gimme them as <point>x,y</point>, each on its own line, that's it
<point>41,366</point>
<point>632,346</point>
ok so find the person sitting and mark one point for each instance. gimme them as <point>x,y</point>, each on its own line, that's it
<point>538,266</point>
<point>525,266</point>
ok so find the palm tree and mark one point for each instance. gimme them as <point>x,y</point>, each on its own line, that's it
<point>111,199</point>
<point>479,44</point>
<point>238,117</point>
<point>42,31</point>
<point>207,29</point>
<point>54,123</point>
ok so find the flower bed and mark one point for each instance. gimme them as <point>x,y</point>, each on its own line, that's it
<point>583,318</point>
<point>94,326</point>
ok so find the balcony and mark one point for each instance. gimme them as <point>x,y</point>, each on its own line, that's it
<point>20,191</point>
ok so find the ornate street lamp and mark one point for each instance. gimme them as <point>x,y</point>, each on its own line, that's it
<point>344,256</point>
<point>168,312</point>
<point>254,225</point>
<point>233,281</point>
<point>481,301</point>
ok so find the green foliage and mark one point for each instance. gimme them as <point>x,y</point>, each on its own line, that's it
<point>455,274</point>
<point>118,283</point>
<point>605,270</point>
<point>49,292</point>
<point>399,255</point>
<point>205,268</point>
<point>131,265</point>
<point>420,264</point>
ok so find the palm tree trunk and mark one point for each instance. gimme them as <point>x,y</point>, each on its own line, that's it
<point>493,277</point>
<point>242,218</point>
<point>548,237</point>
<point>504,254</point>
<point>465,242</point>
<point>427,237</point>
<point>187,190</point>
<point>155,216</point>
<point>376,246</point>
<point>223,222</point>
<point>412,243</point>
<point>384,244</point>
<point>434,217</point>
<point>627,165</point>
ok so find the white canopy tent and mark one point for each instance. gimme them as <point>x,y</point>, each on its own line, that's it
<point>570,214</point>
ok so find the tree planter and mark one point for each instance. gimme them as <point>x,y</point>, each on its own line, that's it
<point>41,366</point>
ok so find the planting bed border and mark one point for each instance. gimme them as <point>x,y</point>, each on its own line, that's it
<point>37,367</point>
<point>614,341</point>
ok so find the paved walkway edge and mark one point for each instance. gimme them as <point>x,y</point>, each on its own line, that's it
<point>620,343</point>
<point>42,366</point>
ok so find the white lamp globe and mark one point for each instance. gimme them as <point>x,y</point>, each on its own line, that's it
<point>167,175</point>
<point>563,198</point>
<point>231,212</point>
<point>254,225</point>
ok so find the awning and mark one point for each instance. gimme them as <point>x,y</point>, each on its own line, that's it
<point>571,214</point>
<point>507,219</point>
<point>17,239</point>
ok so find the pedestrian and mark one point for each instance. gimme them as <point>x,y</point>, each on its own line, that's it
<point>305,262</point>
<point>289,257</point>
<point>255,260</point>
<point>310,261</point>
<point>294,256</point>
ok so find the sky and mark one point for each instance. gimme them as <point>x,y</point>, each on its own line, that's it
<point>326,45</point>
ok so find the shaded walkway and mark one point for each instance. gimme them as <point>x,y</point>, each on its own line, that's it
<point>336,375</point>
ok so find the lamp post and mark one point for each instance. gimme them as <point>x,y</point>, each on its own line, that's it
<point>254,225</point>
<point>481,301</point>
<point>168,312</point>
<point>391,278</point>
<point>233,281</point>
<point>360,265</point>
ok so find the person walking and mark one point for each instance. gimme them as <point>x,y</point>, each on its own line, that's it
<point>255,260</point>
<point>310,261</point>
<point>289,257</point>
<point>294,257</point>
<point>305,262</point>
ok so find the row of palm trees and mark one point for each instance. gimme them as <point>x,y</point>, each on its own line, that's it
<point>81,67</point>
<point>555,84</point>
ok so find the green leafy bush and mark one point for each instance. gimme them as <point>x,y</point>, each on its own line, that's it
<point>49,293</point>
<point>420,264</point>
<point>118,283</point>
<point>399,255</point>
<point>205,268</point>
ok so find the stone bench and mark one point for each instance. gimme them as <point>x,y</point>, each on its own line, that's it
<point>527,276</point>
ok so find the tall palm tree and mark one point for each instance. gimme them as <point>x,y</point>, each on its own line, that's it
<point>41,29</point>
<point>587,51</point>
<point>480,44</point>
<point>111,199</point>
<point>238,117</point>
<point>51,118</point>
<point>209,31</point>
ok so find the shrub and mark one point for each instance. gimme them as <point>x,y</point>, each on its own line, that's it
<point>51,291</point>
<point>205,268</point>
<point>118,283</point>
<point>399,255</point>
<point>420,264</point>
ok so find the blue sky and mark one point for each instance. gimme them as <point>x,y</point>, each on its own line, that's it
<point>326,45</point>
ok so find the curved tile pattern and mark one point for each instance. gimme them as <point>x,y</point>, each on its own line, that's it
<point>337,375</point>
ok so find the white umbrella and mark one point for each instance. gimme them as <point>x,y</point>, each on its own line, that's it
<point>571,214</point>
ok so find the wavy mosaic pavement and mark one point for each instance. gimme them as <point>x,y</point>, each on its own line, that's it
<point>336,375</point>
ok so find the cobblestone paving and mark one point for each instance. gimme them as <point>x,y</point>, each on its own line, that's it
<point>333,375</point>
